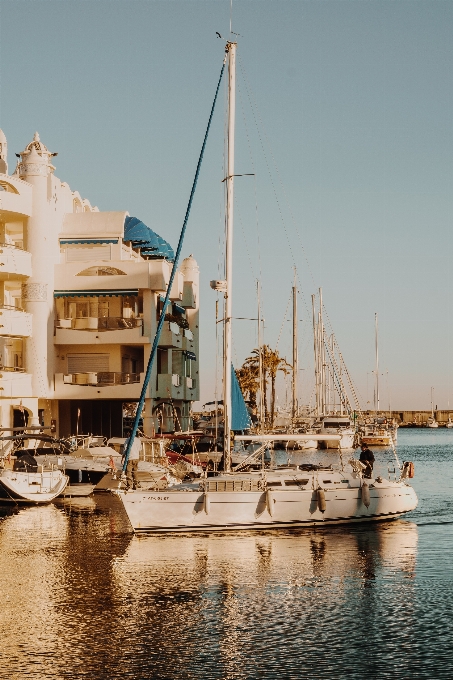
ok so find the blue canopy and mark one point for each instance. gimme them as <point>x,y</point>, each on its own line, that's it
<point>240,417</point>
<point>150,243</point>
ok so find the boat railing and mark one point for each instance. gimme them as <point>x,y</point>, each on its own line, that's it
<point>392,471</point>
<point>253,457</point>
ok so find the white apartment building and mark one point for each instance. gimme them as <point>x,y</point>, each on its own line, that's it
<point>80,295</point>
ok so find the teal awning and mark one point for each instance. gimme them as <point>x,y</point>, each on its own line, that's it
<point>94,293</point>
<point>144,238</point>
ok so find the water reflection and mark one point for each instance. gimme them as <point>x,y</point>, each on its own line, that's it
<point>84,599</point>
<point>227,599</point>
<point>216,606</point>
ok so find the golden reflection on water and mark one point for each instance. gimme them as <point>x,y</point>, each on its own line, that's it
<point>81,598</point>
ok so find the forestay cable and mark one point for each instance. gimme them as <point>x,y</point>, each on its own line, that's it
<point>170,284</point>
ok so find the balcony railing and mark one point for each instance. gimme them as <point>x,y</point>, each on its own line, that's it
<point>13,308</point>
<point>18,245</point>
<point>103,323</point>
<point>104,379</point>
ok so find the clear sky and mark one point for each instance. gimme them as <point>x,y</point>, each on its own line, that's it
<point>349,136</point>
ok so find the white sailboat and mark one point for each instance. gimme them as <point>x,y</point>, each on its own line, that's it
<point>253,496</point>
<point>296,447</point>
<point>378,431</point>
<point>330,421</point>
<point>432,422</point>
<point>37,484</point>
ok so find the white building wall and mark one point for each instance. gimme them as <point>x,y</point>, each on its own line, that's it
<point>35,203</point>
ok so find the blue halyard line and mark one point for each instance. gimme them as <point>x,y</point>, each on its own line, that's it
<point>172,276</point>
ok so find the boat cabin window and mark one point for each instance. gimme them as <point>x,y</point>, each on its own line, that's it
<point>296,482</point>
<point>336,424</point>
<point>327,481</point>
<point>274,484</point>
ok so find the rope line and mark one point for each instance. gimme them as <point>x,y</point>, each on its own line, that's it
<point>170,283</point>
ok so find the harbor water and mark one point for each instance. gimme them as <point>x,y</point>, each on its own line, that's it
<point>83,598</point>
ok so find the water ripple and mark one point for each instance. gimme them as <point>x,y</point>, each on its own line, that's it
<point>82,598</point>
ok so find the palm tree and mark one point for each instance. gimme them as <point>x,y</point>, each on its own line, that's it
<point>271,362</point>
<point>276,363</point>
<point>248,380</point>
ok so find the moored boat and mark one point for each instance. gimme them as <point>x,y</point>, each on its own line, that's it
<point>26,482</point>
<point>337,425</point>
<point>379,432</point>
<point>286,496</point>
<point>257,494</point>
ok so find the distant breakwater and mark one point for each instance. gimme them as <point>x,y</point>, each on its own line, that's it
<point>405,418</point>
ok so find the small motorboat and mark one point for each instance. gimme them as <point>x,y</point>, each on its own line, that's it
<point>22,480</point>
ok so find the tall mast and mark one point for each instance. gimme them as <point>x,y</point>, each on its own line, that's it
<point>260,359</point>
<point>231,50</point>
<point>295,350</point>
<point>376,405</point>
<point>315,347</point>
<point>322,351</point>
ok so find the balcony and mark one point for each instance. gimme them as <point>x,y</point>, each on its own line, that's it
<point>14,262</point>
<point>106,384</point>
<point>102,330</point>
<point>171,335</point>
<point>14,322</point>
<point>169,386</point>
<point>14,382</point>
<point>16,195</point>
<point>101,379</point>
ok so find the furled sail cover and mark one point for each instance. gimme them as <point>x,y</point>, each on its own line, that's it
<point>240,418</point>
<point>150,243</point>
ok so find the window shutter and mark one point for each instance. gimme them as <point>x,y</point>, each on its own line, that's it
<point>89,253</point>
<point>88,363</point>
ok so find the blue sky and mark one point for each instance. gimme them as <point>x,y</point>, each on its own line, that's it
<point>349,137</point>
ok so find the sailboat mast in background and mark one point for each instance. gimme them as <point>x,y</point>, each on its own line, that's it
<point>260,360</point>
<point>376,395</point>
<point>227,355</point>
<point>295,351</point>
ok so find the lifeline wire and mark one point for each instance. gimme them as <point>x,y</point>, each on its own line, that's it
<point>170,284</point>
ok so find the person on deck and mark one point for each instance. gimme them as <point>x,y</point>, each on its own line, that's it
<point>132,463</point>
<point>367,458</point>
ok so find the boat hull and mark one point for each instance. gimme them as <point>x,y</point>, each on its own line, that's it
<point>346,442</point>
<point>31,487</point>
<point>172,511</point>
<point>377,440</point>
